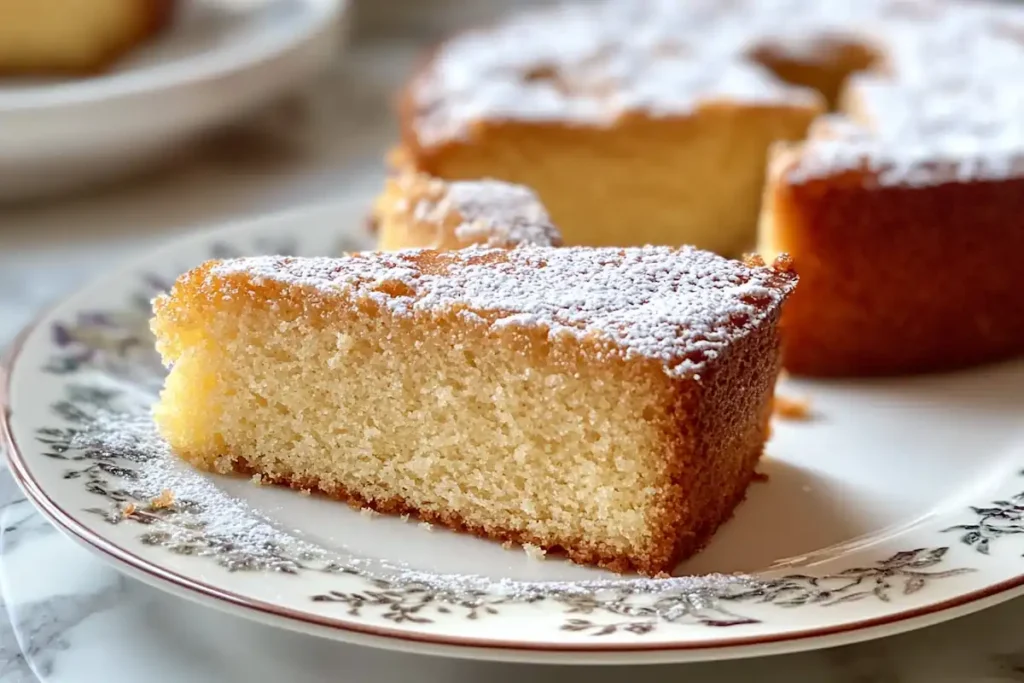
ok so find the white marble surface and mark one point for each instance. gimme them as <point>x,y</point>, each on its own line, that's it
<point>70,618</point>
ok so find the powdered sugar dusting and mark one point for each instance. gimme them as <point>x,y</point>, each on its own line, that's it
<point>589,64</point>
<point>502,213</point>
<point>946,101</point>
<point>680,307</point>
<point>491,212</point>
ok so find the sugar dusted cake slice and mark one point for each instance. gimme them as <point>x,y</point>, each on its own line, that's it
<point>611,403</point>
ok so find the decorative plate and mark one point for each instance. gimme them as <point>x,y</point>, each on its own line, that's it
<point>896,504</point>
<point>220,59</point>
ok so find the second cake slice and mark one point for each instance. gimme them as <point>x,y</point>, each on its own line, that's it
<point>612,403</point>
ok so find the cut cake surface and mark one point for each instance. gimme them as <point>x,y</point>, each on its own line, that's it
<point>610,403</point>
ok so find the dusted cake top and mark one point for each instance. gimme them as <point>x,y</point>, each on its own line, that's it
<point>948,92</point>
<point>681,307</point>
<point>489,212</point>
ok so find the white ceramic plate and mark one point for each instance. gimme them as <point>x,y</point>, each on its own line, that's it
<point>220,59</point>
<point>900,504</point>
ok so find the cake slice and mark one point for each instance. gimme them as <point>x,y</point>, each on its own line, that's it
<point>416,210</point>
<point>48,37</point>
<point>612,403</point>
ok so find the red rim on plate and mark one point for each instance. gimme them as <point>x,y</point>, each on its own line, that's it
<point>184,586</point>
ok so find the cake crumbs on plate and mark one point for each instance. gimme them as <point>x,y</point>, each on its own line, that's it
<point>305,492</point>
<point>128,509</point>
<point>404,518</point>
<point>257,479</point>
<point>761,477</point>
<point>789,408</point>
<point>368,512</point>
<point>427,525</point>
<point>534,552</point>
<point>164,500</point>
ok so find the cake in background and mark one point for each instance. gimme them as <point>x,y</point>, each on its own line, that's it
<point>652,121</point>
<point>75,37</point>
<point>415,210</point>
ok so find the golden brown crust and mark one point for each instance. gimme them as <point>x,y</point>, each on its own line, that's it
<point>726,422</point>
<point>150,17</point>
<point>900,279</point>
<point>581,551</point>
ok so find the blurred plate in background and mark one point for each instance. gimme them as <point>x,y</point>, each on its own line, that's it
<point>220,60</point>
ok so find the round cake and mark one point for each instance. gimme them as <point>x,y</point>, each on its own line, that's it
<point>654,121</point>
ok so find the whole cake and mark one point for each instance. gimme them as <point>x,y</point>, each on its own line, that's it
<point>650,121</point>
<point>74,37</point>
<point>612,403</point>
<point>416,210</point>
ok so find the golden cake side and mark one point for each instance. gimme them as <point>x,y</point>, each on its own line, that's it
<point>612,115</point>
<point>898,279</point>
<point>557,440</point>
<point>691,179</point>
<point>908,247</point>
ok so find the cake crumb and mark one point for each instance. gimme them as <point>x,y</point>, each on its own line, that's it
<point>761,477</point>
<point>257,479</point>
<point>368,512</point>
<point>784,263</point>
<point>164,500</point>
<point>305,492</point>
<point>127,510</point>
<point>427,525</point>
<point>404,518</point>
<point>534,552</point>
<point>789,408</point>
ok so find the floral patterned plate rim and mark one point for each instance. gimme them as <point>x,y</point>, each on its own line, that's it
<point>899,503</point>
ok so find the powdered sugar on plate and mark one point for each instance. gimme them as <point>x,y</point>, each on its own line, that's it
<point>198,517</point>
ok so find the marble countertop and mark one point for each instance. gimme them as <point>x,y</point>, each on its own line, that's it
<point>71,618</point>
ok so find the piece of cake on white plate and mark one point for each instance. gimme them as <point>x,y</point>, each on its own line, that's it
<point>610,403</point>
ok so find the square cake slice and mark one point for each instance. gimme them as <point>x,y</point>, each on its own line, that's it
<point>611,403</point>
